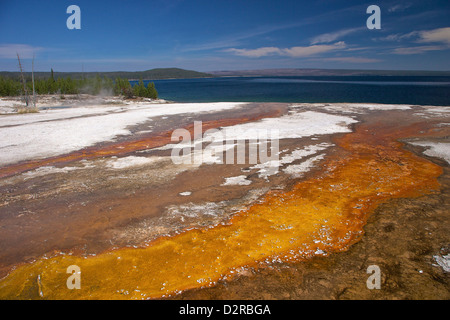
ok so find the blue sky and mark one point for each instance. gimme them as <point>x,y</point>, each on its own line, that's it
<point>207,35</point>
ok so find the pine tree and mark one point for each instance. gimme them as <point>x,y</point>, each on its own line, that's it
<point>139,89</point>
<point>151,91</point>
<point>97,85</point>
<point>123,87</point>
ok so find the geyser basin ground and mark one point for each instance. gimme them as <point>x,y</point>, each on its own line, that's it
<point>139,226</point>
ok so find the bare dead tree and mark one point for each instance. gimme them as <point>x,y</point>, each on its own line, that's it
<point>23,81</point>
<point>32,79</point>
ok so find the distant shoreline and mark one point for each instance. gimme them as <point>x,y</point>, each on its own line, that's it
<point>177,73</point>
<point>326,72</point>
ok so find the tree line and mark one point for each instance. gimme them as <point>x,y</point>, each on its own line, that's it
<point>66,85</point>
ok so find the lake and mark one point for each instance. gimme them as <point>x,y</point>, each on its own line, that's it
<point>416,90</point>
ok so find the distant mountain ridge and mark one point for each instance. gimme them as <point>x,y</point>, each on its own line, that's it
<point>153,74</point>
<point>324,72</point>
<point>177,73</point>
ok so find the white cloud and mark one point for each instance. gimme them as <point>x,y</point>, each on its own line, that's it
<point>399,7</point>
<point>435,40</point>
<point>440,35</point>
<point>297,52</point>
<point>255,53</point>
<point>332,36</point>
<point>9,51</point>
<point>352,59</point>
<point>236,39</point>
<point>416,50</point>
<point>399,36</point>
<point>437,35</point>
<point>294,52</point>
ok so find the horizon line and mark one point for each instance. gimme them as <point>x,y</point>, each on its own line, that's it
<point>237,70</point>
